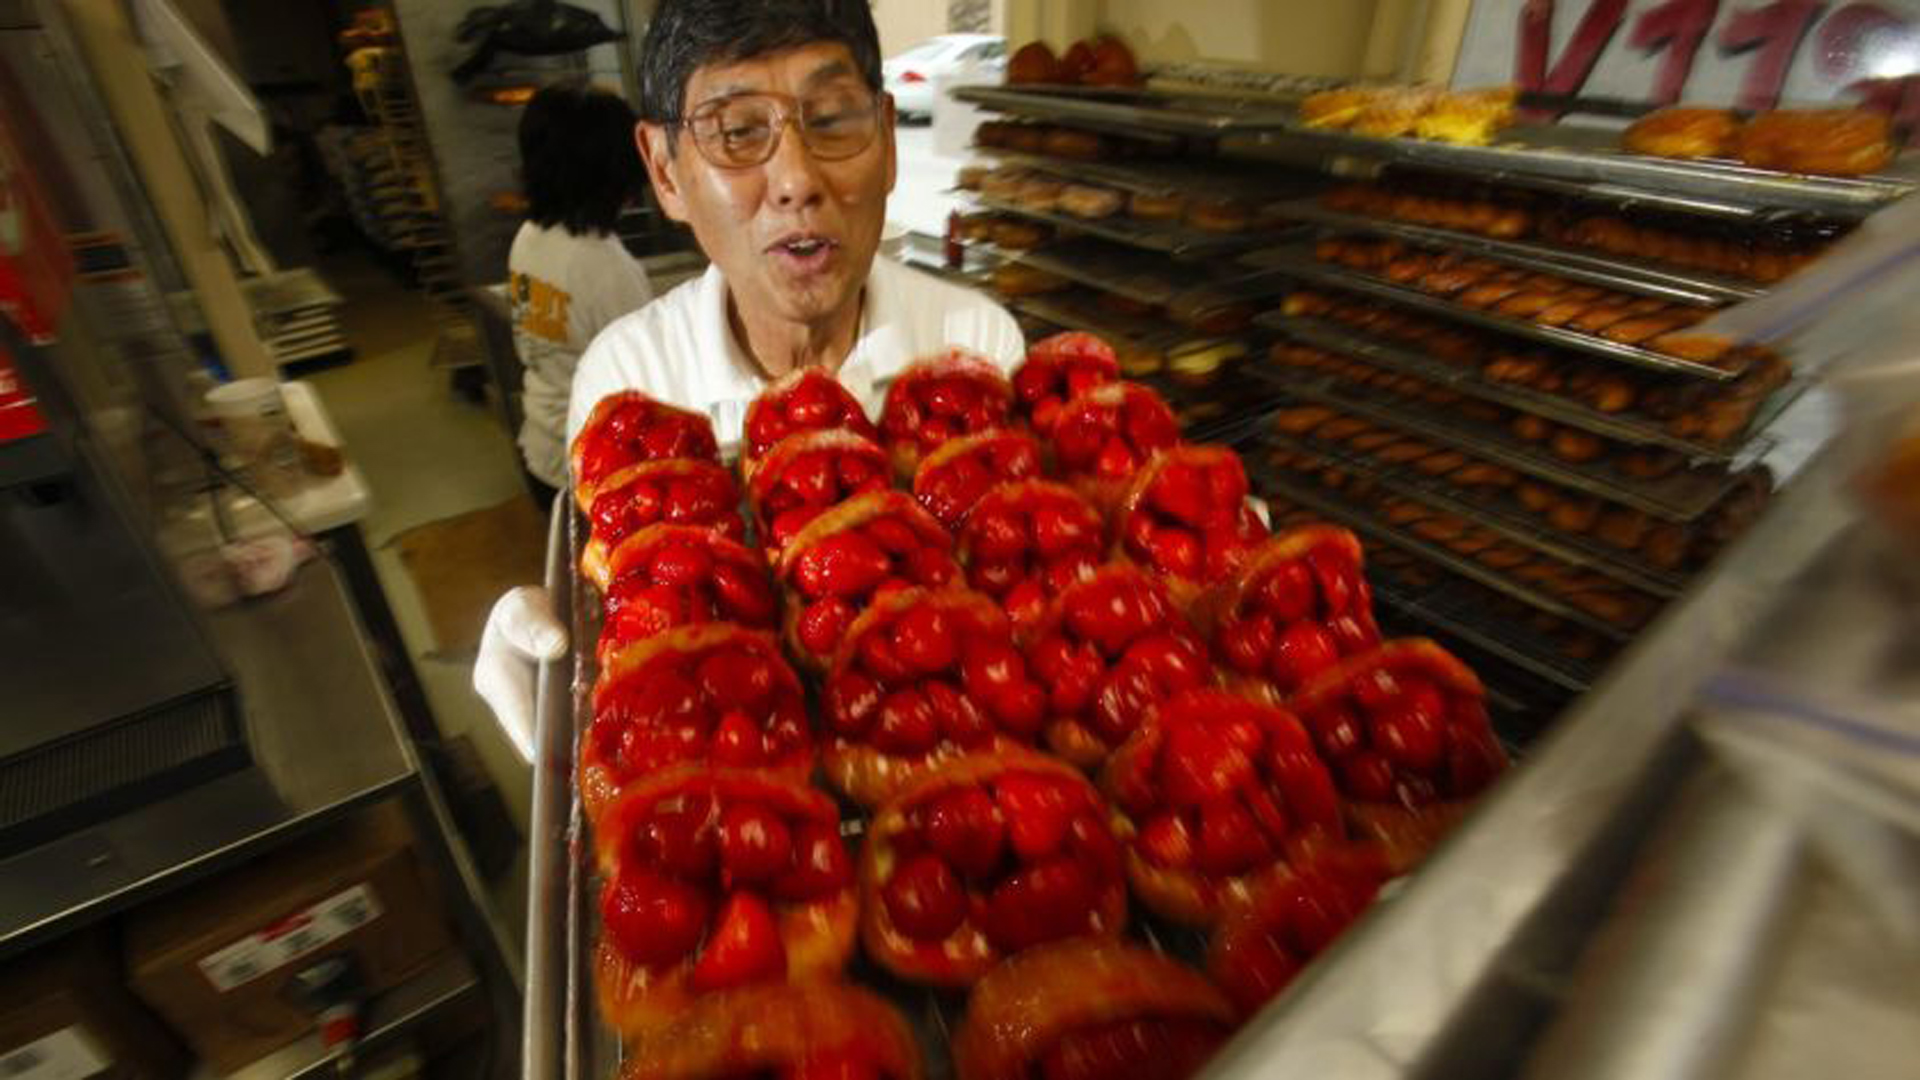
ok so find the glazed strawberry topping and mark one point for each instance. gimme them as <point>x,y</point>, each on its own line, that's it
<point>677,492</point>
<point>1111,432</point>
<point>933,672</point>
<point>810,401</point>
<point>1116,647</point>
<point>934,401</point>
<point>704,872</point>
<point>734,702</point>
<point>1025,543</point>
<point>1221,785</point>
<point>951,482</point>
<point>804,478</point>
<point>678,577</point>
<point>1146,1048</point>
<point>1397,732</point>
<point>1025,856</point>
<point>1189,518</point>
<point>1059,369</point>
<point>1299,616</point>
<point>837,575</point>
<point>1291,921</point>
<point>630,428</point>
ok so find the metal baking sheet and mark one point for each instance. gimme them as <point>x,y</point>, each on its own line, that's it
<point>1681,497</point>
<point>1079,309</point>
<point>1173,176</point>
<point>1131,110</point>
<point>1592,155</point>
<point>1148,277</point>
<point>1165,237</point>
<point>1499,516</point>
<point>1442,608</point>
<point>1625,427</point>
<point>1574,265</point>
<point>1268,480</point>
<point>1304,266</point>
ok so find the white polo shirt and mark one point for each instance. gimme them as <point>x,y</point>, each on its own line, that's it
<point>680,348</point>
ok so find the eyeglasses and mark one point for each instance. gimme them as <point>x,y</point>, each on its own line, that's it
<point>744,130</point>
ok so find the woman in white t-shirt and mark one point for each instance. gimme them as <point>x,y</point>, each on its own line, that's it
<point>569,275</point>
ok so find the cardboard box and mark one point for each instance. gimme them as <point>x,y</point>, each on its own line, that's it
<point>65,1012</point>
<point>215,959</point>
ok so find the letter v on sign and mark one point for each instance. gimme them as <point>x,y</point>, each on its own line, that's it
<point>1576,62</point>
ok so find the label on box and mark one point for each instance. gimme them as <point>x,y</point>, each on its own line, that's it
<point>67,1054</point>
<point>289,939</point>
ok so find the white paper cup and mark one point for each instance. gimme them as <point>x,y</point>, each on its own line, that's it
<point>253,415</point>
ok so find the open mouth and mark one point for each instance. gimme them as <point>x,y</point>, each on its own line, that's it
<point>805,249</point>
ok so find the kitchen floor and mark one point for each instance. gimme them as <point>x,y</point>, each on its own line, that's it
<point>427,453</point>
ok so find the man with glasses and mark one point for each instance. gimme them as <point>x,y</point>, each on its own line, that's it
<point>764,129</point>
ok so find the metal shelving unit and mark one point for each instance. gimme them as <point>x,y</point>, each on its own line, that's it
<point>1168,238</point>
<point>1364,522</point>
<point>1683,286</point>
<point>1499,516</point>
<point>1621,427</point>
<point>1680,497</point>
<point>1303,266</point>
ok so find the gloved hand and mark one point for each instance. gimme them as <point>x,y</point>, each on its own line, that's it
<point>521,631</point>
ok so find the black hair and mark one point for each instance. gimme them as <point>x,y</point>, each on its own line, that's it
<point>686,35</point>
<point>578,159</point>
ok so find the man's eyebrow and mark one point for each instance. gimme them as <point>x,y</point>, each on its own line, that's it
<point>833,69</point>
<point>728,91</point>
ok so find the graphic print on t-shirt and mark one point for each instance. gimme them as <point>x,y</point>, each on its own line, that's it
<point>540,308</point>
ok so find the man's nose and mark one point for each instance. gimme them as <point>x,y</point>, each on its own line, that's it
<point>793,176</point>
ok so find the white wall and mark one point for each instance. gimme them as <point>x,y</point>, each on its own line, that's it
<point>905,23</point>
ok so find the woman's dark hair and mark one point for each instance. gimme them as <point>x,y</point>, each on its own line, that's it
<point>578,158</point>
<point>686,35</point>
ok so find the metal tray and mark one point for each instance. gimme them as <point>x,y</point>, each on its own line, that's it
<point>1269,480</point>
<point>1591,155</point>
<point>1148,277</point>
<point>1624,427</point>
<point>1165,237</point>
<point>1680,497</point>
<point>1495,515</point>
<point>1132,110</point>
<point>1077,310</point>
<point>564,1038</point>
<point>1304,266</point>
<point>1682,286</point>
<point>1445,608</point>
<point>1175,176</point>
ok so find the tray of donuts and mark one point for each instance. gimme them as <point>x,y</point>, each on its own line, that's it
<point>1662,548</point>
<point>1702,420</point>
<point>998,737</point>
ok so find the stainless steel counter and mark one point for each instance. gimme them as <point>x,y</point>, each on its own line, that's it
<point>325,739</point>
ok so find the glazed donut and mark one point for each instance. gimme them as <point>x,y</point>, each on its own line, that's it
<point>1826,142</point>
<point>1683,132</point>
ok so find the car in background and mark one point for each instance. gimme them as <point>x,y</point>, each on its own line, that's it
<point>910,76</point>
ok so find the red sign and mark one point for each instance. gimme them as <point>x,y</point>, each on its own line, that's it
<point>1752,55</point>
<point>19,416</point>
<point>36,271</point>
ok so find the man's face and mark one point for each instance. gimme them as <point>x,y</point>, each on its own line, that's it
<point>795,236</point>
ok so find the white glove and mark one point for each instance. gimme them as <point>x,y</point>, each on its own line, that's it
<point>521,630</point>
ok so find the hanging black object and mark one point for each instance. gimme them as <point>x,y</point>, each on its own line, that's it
<point>528,28</point>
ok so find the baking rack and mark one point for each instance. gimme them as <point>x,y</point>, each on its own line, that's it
<point>1165,237</point>
<point>1622,427</point>
<point>1686,287</point>
<point>1269,480</point>
<point>1591,159</point>
<point>1681,497</point>
<point>1496,514</point>
<point>1147,277</point>
<point>1454,610</point>
<point>1159,177</point>
<point>1302,265</point>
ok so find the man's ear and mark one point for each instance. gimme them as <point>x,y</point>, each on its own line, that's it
<point>887,121</point>
<point>656,150</point>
